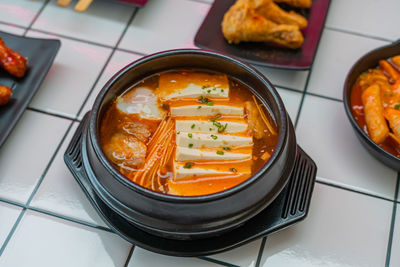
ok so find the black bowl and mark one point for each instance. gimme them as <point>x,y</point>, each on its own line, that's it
<point>370,60</point>
<point>179,217</point>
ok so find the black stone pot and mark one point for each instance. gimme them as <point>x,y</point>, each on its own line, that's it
<point>196,217</point>
<point>368,61</point>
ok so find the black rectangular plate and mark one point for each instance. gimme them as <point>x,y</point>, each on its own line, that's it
<point>40,54</point>
<point>210,37</point>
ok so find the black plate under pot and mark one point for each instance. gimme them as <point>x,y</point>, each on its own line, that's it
<point>368,61</point>
<point>289,207</point>
<point>197,217</point>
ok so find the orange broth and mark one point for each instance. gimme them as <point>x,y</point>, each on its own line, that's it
<point>195,185</point>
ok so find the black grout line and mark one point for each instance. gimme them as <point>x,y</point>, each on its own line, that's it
<point>302,100</point>
<point>108,60</point>
<point>261,251</point>
<point>325,97</point>
<point>354,191</point>
<point>11,233</point>
<point>277,86</point>
<point>217,261</point>
<point>11,202</point>
<point>12,25</point>
<point>36,17</point>
<point>69,219</point>
<point>131,51</point>
<point>72,38</point>
<point>128,258</point>
<point>358,34</point>
<point>392,224</point>
<point>48,165</point>
<point>53,114</point>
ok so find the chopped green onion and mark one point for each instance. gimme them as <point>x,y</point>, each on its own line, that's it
<point>203,100</point>
<point>208,91</point>
<point>222,90</point>
<point>190,135</point>
<point>188,165</point>
<point>214,136</point>
<point>214,89</point>
<point>226,148</point>
<point>190,145</point>
<point>199,107</point>
<point>397,106</point>
<point>220,152</point>
<point>220,127</point>
<point>192,126</point>
<point>179,132</point>
<point>210,129</point>
<point>210,103</point>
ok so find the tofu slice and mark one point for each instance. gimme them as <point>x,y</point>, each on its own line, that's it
<point>193,154</point>
<point>195,91</point>
<point>181,172</point>
<point>176,85</point>
<point>208,126</point>
<point>199,140</point>
<point>205,110</point>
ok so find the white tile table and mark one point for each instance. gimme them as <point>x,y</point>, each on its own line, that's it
<point>47,221</point>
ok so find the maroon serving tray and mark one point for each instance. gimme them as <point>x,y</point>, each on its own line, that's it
<point>210,37</point>
<point>139,3</point>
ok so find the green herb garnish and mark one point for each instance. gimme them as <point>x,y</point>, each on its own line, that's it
<point>179,132</point>
<point>210,103</point>
<point>199,107</point>
<point>208,91</point>
<point>203,100</point>
<point>220,152</point>
<point>214,136</point>
<point>188,165</point>
<point>226,148</point>
<point>222,90</point>
<point>220,127</point>
<point>190,145</point>
<point>397,106</point>
<point>214,89</point>
<point>190,135</point>
<point>192,126</point>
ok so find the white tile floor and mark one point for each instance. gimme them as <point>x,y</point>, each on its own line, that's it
<point>46,216</point>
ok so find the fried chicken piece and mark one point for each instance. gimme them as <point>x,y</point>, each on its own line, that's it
<point>296,3</point>
<point>5,94</point>
<point>242,24</point>
<point>271,11</point>
<point>12,61</point>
